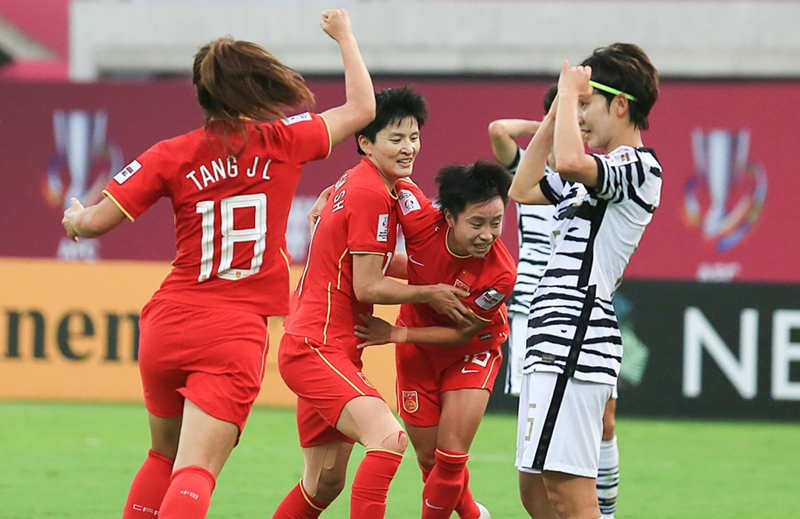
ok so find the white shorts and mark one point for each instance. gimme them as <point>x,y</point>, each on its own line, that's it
<point>517,339</point>
<point>559,426</point>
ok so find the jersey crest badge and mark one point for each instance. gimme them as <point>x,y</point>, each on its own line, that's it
<point>128,171</point>
<point>383,228</point>
<point>410,401</point>
<point>490,299</point>
<point>460,284</point>
<point>288,121</point>
<point>407,201</point>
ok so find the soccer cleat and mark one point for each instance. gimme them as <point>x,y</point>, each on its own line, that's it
<point>484,512</point>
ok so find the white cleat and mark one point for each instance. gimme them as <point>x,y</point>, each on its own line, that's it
<point>484,512</point>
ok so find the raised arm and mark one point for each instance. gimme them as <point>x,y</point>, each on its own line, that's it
<point>571,160</point>
<point>359,107</point>
<point>502,133</point>
<point>525,186</point>
<point>88,222</point>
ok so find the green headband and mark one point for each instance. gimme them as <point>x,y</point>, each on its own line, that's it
<point>610,90</point>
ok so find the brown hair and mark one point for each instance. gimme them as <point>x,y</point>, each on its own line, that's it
<point>626,67</point>
<point>237,79</point>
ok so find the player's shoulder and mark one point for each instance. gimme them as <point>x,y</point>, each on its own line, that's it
<point>502,260</point>
<point>364,177</point>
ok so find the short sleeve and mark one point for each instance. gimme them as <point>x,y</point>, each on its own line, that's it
<point>369,217</point>
<point>485,303</point>
<point>415,212</point>
<point>138,185</point>
<point>621,175</point>
<point>552,186</point>
<point>515,164</point>
<point>304,137</point>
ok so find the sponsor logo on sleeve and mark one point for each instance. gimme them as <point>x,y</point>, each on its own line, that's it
<point>383,228</point>
<point>288,121</point>
<point>410,401</point>
<point>408,202</point>
<point>490,299</point>
<point>128,171</point>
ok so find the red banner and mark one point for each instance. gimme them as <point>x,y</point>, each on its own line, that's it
<point>726,210</point>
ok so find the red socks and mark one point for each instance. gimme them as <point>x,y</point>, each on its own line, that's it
<point>371,484</point>
<point>466,507</point>
<point>148,487</point>
<point>188,495</point>
<point>444,484</point>
<point>299,505</point>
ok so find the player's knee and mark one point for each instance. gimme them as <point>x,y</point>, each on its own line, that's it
<point>396,441</point>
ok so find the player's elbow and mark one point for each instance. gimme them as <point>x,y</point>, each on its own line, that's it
<point>497,129</point>
<point>567,162</point>
<point>519,195</point>
<point>365,293</point>
<point>363,112</point>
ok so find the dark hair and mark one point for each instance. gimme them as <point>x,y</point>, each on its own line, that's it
<point>550,96</point>
<point>626,67</point>
<point>393,105</point>
<point>460,185</point>
<point>239,78</point>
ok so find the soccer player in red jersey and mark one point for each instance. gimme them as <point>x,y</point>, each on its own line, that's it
<point>351,248</point>
<point>446,370</point>
<point>231,182</point>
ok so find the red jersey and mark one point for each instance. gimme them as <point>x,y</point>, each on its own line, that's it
<point>488,280</point>
<point>359,218</point>
<point>230,212</point>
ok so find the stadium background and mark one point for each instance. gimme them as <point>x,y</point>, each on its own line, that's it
<point>709,305</point>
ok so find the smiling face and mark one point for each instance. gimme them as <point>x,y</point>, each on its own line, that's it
<point>395,148</point>
<point>476,228</point>
<point>597,120</point>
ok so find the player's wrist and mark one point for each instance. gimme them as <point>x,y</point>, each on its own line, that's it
<point>399,334</point>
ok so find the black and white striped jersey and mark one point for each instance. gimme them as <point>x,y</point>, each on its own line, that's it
<point>572,327</point>
<point>535,224</point>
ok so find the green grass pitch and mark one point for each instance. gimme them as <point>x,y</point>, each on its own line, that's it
<point>63,460</point>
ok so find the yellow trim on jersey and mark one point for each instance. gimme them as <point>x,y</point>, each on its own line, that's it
<point>326,361</point>
<point>327,316</point>
<point>365,252</point>
<point>286,259</point>
<point>472,312</point>
<point>111,197</point>
<point>330,135</point>
<point>489,373</point>
<point>447,246</point>
<point>306,497</point>
<point>339,276</point>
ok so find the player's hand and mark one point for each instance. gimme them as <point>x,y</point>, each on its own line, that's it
<point>70,219</point>
<point>375,331</point>
<point>445,300</point>
<point>316,209</point>
<point>336,23</point>
<point>575,80</point>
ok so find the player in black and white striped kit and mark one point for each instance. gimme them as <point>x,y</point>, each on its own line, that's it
<point>535,226</point>
<point>603,204</point>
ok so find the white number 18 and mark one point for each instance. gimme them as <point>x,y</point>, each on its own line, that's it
<point>256,234</point>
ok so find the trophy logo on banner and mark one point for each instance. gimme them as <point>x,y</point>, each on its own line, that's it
<point>83,162</point>
<point>725,195</point>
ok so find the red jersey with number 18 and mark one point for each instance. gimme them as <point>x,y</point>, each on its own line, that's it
<point>359,218</point>
<point>230,212</point>
<point>488,280</point>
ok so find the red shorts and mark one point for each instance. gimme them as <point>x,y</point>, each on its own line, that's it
<point>211,356</point>
<point>324,379</point>
<point>424,373</point>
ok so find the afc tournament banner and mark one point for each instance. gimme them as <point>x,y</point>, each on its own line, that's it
<point>728,151</point>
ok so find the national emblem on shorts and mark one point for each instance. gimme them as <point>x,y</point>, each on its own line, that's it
<point>410,401</point>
